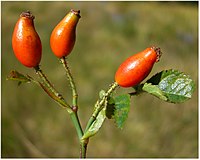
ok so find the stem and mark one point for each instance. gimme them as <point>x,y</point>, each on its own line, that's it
<point>112,87</point>
<point>83,148</point>
<point>71,81</point>
<point>77,124</point>
<point>51,91</point>
<point>74,115</point>
<point>99,104</point>
<point>58,98</point>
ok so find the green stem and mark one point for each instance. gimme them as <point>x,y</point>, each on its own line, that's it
<point>59,99</point>
<point>51,91</point>
<point>71,81</point>
<point>77,124</point>
<point>83,148</point>
<point>112,87</point>
<point>99,104</point>
<point>74,116</point>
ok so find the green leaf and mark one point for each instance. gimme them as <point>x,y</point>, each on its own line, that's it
<point>177,86</point>
<point>170,85</point>
<point>16,76</point>
<point>122,107</point>
<point>96,125</point>
<point>154,90</point>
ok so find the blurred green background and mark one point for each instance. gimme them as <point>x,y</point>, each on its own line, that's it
<point>108,32</point>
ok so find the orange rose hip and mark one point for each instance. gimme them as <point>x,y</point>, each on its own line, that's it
<point>63,36</point>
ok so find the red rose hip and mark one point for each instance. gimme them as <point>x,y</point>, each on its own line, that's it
<point>137,67</point>
<point>26,42</point>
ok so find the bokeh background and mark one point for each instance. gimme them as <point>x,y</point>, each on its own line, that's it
<point>108,32</point>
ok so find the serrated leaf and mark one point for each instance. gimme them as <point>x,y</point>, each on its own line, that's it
<point>16,76</point>
<point>96,125</point>
<point>122,107</point>
<point>176,86</point>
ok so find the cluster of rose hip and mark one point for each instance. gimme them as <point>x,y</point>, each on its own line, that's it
<point>27,48</point>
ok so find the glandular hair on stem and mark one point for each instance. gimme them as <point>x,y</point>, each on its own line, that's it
<point>75,109</point>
